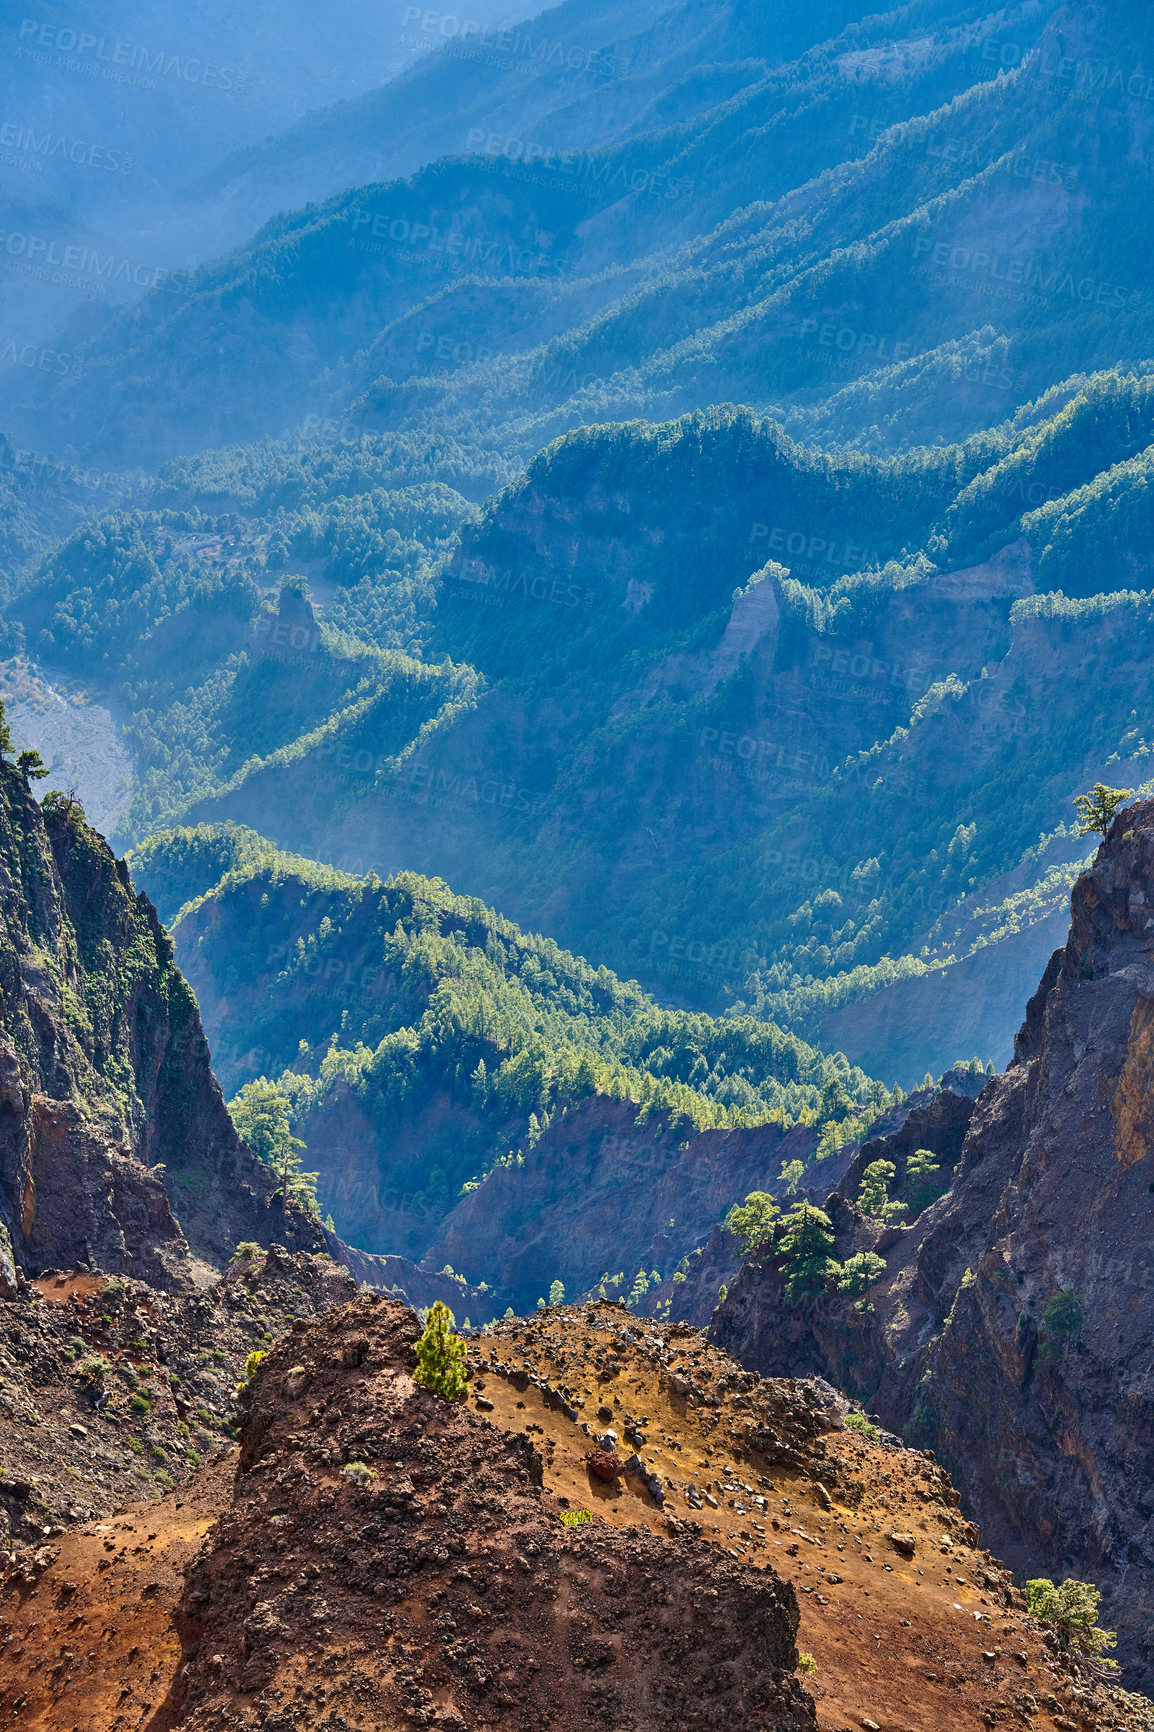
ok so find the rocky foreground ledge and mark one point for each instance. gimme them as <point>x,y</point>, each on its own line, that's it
<point>373,1556</point>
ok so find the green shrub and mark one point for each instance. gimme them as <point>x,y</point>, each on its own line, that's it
<point>136,1446</point>
<point>441,1356</point>
<point>246,1251</point>
<point>1071,1610</point>
<point>94,1370</point>
<point>573,1518</point>
<point>359,1474</point>
<point>137,1404</point>
<point>1062,1319</point>
<point>804,1243</point>
<point>859,1422</point>
<point>873,1197</point>
<point>859,1272</point>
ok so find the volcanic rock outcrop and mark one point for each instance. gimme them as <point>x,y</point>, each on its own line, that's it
<point>410,1540</point>
<point>1011,1329</point>
<point>111,1389</point>
<point>117,1151</point>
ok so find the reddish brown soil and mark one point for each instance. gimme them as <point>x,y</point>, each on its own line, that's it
<point>900,1642</point>
<point>94,1642</point>
<point>445,1590</point>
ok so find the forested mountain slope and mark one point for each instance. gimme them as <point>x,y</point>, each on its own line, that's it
<point>767,726</point>
<point>931,212</point>
<point>831,788</point>
<point>473,1092</point>
<point>112,1119</point>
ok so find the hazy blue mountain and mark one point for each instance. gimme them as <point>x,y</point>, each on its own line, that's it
<point>107,123</point>
<point>727,210</point>
<point>757,726</point>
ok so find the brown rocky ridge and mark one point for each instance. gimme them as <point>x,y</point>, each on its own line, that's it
<point>111,1390</point>
<point>373,1556</point>
<point>388,1558</point>
<point>1011,1328</point>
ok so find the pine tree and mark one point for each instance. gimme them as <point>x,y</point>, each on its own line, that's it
<point>804,1244</point>
<point>441,1356</point>
<point>1071,1610</point>
<point>261,1115</point>
<point>751,1222</point>
<point>31,765</point>
<point>873,1197</point>
<point>1096,809</point>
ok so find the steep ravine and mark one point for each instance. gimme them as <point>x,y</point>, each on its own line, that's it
<point>1011,1329</point>
<point>116,1149</point>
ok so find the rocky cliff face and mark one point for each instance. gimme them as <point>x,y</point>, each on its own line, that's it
<point>1012,1326</point>
<point>599,1188</point>
<point>116,1148</point>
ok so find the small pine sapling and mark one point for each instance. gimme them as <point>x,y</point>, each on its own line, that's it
<point>441,1355</point>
